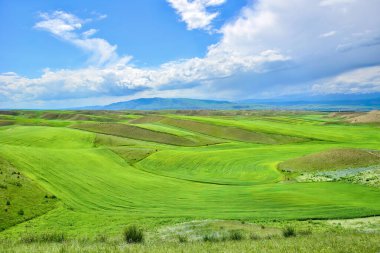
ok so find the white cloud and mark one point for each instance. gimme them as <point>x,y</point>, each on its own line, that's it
<point>59,22</point>
<point>273,24</point>
<point>270,48</point>
<point>328,34</point>
<point>65,25</point>
<point>121,78</point>
<point>363,80</point>
<point>194,13</point>
<point>335,2</point>
<point>118,77</point>
<point>89,33</point>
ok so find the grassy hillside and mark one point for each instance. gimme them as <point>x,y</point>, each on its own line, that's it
<point>21,198</point>
<point>332,160</point>
<point>139,133</point>
<point>161,170</point>
<point>230,132</point>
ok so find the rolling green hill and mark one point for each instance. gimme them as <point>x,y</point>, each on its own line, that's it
<point>168,168</point>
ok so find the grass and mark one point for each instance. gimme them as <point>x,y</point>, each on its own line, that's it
<point>139,133</point>
<point>21,199</point>
<point>289,232</point>
<point>326,242</point>
<point>166,176</point>
<point>133,234</point>
<point>236,235</point>
<point>48,237</point>
<point>333,159</point>
<point>230,132</point>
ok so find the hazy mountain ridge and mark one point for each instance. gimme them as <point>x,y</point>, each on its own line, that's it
<point>319,103</point>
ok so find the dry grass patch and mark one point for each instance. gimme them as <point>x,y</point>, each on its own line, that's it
<point>333,159</point>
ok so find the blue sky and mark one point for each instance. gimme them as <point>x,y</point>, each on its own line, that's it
<point>74,53</point>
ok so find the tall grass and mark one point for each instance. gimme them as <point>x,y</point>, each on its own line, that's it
<point>289,232</point>
<point>236,235</point>
<point>43,237</point>
<point>133,234</point>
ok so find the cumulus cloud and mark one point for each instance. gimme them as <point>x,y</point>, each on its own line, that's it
<point>351,40</point>
<point>120,78</point>
<point>328,34</point>
<point>194,12</point>
<point>114,76</point>
<point>65,26</point>
<point>363,80</point>
<point>335,2</point>
<point>277,24</point>
<point>269,48</point>
<point>59,22</point>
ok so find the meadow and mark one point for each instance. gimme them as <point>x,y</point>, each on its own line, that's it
<point>192,181</point>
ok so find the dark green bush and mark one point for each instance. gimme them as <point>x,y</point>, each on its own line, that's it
<point>289,232</point>
<point>255,237</point>
<point>133,234</point>
<point>101,238</point>
<point>44,237</point>
<point>8,202</point>
<point>53,237</point>
<point>20,212</point>
<point>182,238</point>
<point>305,232</point>
<point>210,238</point>
<point>236,235</point>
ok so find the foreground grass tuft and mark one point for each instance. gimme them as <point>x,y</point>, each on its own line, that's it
<point>182,238</point>
<point>43,238</point>
<point>236,235</point>
<point>211,238</point>
<point>289,232</point>
<point>133,234</point>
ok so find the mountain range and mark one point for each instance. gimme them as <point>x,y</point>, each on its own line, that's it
<point>319,103</point>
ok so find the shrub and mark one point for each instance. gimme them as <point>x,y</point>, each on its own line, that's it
<point>44,237</point>
<point>289,232</point>
<point>270,237</point>
<point>20,212</point>
<point>8,202</point>
<point>255,237</point>
<point>305,232</point>
<point>236,235</point>
<point>182,238</point>
<point>133,234</point>
<point>53,237</point>
<point>101,238</point>
<point>210,238</point>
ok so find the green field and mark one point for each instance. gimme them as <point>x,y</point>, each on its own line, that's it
<point>88,175</point>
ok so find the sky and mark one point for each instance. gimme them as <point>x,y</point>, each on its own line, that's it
<point>62,54</point>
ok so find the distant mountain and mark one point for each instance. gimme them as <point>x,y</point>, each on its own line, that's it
<point>372,99</point>
<point>317,103</point>
<point>168,104</point>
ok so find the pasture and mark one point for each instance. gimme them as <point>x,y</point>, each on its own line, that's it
<point>189,180</point>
